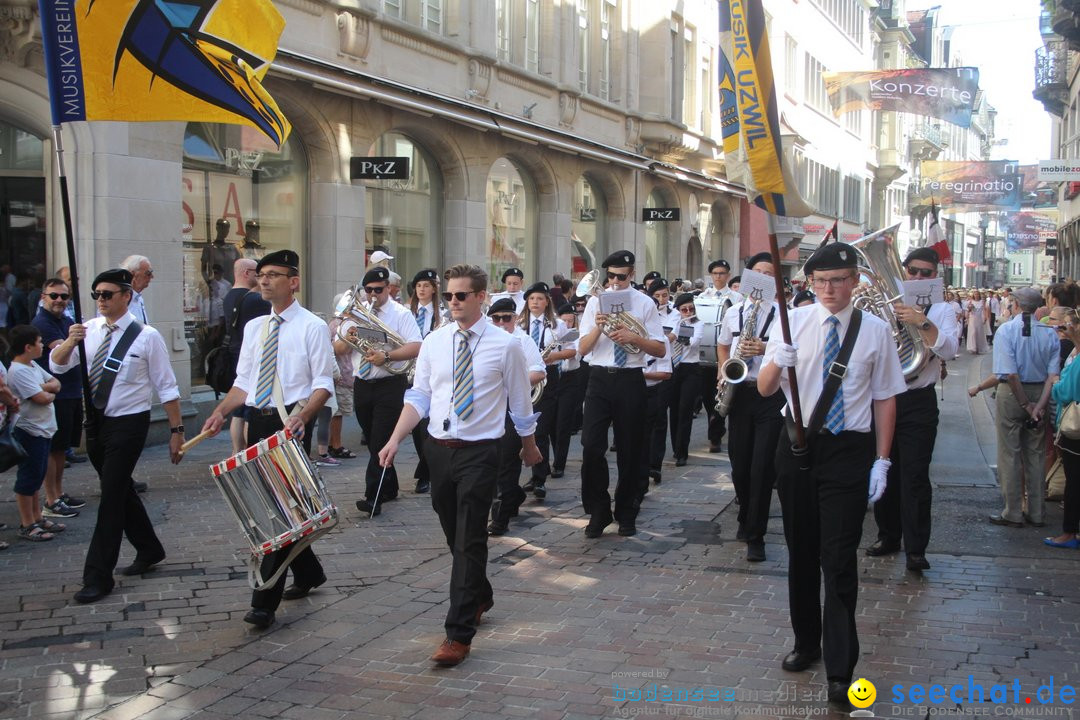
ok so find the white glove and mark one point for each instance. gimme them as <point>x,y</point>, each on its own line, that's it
<point>786,356</point>
<point>879,475</point>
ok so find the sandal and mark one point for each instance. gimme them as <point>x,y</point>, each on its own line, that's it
<point>35,533</point>
<point>341,452</point>
<point>49,526</point>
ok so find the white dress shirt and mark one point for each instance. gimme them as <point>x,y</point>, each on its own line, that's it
<point>659,365</point>
<point>146,367</point>
<point>873,371</point>
<point>534,361</point>
<point>948,342</point>
<point>305,361</point>
<point>692,351</point>
<point>571,363</point>
<point>398,318</point>
<point>726,294</point>
<point>137,307</point>
<point>500,378</point>
<point>603,353</point>
<point>547,334</point>
<point>732,327</point>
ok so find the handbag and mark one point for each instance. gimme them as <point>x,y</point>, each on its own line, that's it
<point>11,450</point>
<point>1069,425</point>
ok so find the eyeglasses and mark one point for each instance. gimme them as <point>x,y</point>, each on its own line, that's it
<point>719,273</point>
<point>104,294</point>
<point>834,282</point>
<point>686,307</point>
<point>459,296</point>
<point>372,290</point>
<point>504,317</point>
<point>617,276</point>
<point>149,273</point>
<point>921,272</point>
<point>271,275</point>
<point>58,296</point>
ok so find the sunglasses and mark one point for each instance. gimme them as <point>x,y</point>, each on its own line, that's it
<point>504,317</point>
<point>688,307</point>
<point>920,272</point>
<point>58,296</point>
<point>617,276</point>
<point>459,296</point>
<point>104,294</point>
<point>372,290</point>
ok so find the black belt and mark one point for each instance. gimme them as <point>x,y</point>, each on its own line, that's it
<point>382,379</point>
<point>456,444</point>
<point>614,370</point>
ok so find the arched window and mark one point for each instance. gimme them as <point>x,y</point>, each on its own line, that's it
<point>511,212</point>
<point>22,223</point>
<point>588,228</point>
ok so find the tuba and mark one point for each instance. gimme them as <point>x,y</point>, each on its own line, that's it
<point>881,264</point>
<point>359,323</point>
<point>734,370</point>
<point>590,285</point>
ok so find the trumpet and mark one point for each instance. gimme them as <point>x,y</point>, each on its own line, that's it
<point>363,331</point>
<point>590,285</point>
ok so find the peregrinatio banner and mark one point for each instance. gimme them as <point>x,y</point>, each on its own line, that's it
<point>977,185</point>
<point>946,93</point>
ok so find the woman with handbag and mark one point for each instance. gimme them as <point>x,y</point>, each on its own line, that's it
<point>1066,395</point>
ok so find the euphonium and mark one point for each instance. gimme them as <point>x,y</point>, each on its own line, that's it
<point>734,370</point>
<point>881,263</point>
<point>354,313</point>
<point>590,285</point>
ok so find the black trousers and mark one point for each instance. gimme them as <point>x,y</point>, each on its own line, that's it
<point>708,399</point>
<point>658,399</point>
<point>684,397</point>
<point>571,394</point>
<point>548,407</point>
<point>377,404</point>
<point>1070,459</point>
<point>419,435</point>
<point>508,492</point>
<point>120,511</point>
<point>756,424</point>
<point>904,510</point>
<point>306,568</point>
<point>462,483</point>
<point>613,399</point>
<point>823,511</point>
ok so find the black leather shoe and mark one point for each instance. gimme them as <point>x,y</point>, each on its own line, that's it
<point>140,566</point>
<point>741,533</point>
<point>679,462</point>
<point>595,528</point>
<point>91,593</point>
<point>557,473</point>
<point>998,520</point>
<point>798,661</point>
<point>261,619</point>
<point>917,562</point>
<point>140,487</point>
<point>498,527</point>
<point>655,477</point>
<point>539,491</point>
<point>422,486</point>
<point>714,448</point>
<point>297,591</point>
<point>880,548</point>
<point>626,529</point>
<point>366,506</point>
<point>755,552</point>
<point>529,486</point>
<point>838,695</point>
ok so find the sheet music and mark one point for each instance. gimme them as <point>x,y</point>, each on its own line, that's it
<point>924,292</point>
<point>755,286</point>
<point>616,301</point>
<point>569,336</point>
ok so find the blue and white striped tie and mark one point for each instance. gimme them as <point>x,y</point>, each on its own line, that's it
<point>264,389</point>
<point>463,377</point>
<point>537,333</point>
<point>834,420</point>
<point>421,321</point>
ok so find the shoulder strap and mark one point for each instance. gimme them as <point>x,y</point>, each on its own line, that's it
<point>113,363</point>
<point>836,375</point>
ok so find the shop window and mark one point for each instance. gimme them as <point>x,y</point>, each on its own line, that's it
<point>22,225</point>
<point>511,212</point>
<point>656,239</point>
<point>588,229</point>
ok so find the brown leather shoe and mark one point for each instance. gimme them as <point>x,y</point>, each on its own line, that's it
<point>450,653</point>
<point>484,607</point>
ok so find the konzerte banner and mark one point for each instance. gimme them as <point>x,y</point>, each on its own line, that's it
<point>986,185</point>
<point>946,93</point>
<point>1024,230</point>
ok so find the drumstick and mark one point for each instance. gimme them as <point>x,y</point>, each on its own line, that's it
<point>194,441</point>
<point>378,491</point>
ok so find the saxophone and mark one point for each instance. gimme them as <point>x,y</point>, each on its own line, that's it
<point>734,370</point>
<point>538,388</point>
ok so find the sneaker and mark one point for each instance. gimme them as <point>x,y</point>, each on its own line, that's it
<point>73,502</point>
<point>325,460</point>
<point>59,509</point>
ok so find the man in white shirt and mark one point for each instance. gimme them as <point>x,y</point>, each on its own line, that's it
<point>122,395</point>
<point>294,377</point>
<point>904,510</point>
<point>467,373</point>
<point>616,398</point>
<point>823,493</point>
<point>720,272</point>
<point>142,273</point>
<point>377,393</point>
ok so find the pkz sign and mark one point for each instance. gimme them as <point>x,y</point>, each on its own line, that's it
<point>659,214</point>
<point>379,168</point>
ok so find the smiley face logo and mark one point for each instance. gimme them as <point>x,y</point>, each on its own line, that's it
<point>862,693</point>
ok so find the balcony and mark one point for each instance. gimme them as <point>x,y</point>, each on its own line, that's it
<point>1051,77</point>
<point>927,141</point>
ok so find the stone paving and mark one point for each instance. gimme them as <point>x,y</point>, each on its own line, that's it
<point>576,623</point>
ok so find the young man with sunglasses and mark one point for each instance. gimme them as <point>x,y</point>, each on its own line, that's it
<point>53,323</point>
<point>378,394</point>
<point>123,410</point>
<point>720,272</point>
<point>616,397</point>
<point>903,512</point>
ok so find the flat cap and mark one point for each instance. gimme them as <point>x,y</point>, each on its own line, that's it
<point>834,256</point>
<point>116,276</point>
<point>281,258</point>
<point>619,258</point>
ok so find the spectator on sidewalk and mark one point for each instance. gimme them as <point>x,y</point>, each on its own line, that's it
<point>1067,390</point>
<point>34,429</point>
<point>142,273</point>
<point>343,392</point>
<point>241,305</point>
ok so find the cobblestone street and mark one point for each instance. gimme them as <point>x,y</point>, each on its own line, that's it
<point>576,623</point>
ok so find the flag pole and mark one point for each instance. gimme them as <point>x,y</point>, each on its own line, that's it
<point>793,383</point>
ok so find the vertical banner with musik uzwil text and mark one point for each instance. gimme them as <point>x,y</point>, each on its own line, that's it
<point>945,93</point>
<point>976,185</point>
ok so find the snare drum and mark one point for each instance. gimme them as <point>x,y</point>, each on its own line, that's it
<point>278,498</point>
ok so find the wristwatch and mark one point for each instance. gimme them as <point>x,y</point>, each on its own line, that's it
<point>178,430</point>
<point>925,325</point>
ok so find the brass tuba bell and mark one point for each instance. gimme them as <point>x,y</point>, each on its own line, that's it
<point>364,332</point>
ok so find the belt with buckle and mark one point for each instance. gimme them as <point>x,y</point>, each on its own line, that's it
<point>456,444</point>
<point>616,369</point>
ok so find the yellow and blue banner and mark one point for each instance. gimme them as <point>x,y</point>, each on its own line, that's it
<point>150,60</point>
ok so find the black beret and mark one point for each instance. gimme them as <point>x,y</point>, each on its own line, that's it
<point>116,276</point>
<point>281,258</point>
<point>540,287</point>
<point>564,309</point>
<point>760,257</point>
<point>619,258</point>
<point>719,263</point>
<point>650,276</point>
<point>428,274</point>
<point>684,298</point>
<point>503,305</point>
<point>736,279</point>
<point>803,296</point>
<point>925,254</point>
<point>376,274</point>
<point>513,271</point>
<point>834,256</point>
<point>658,284</point>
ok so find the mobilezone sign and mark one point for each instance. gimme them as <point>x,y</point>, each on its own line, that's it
<point>1059,170</point>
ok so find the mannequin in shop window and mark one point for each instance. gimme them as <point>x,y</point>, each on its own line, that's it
<point>252,248</point>
<point>219,252</point>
